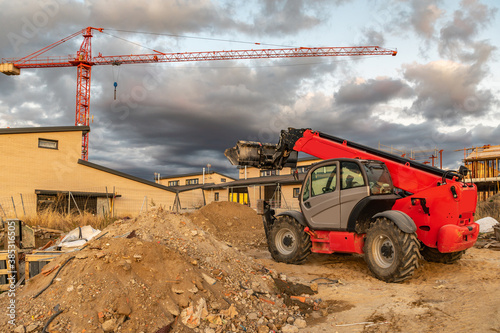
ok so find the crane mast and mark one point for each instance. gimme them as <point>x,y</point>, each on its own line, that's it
<point>84,61</point>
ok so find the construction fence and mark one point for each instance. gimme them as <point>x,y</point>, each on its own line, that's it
<point>101,201</point>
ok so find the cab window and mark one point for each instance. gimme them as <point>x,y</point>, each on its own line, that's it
<point>305,194</point>
<point>351,175</point>
<point>324,180</point>
<point>379,178</point>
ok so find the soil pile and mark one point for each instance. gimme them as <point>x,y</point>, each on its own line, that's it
<point>157,273</point>
<point>232,223</point>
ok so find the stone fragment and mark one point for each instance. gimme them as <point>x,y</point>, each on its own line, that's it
<point>263,329</point>
<point>172,308</point>
<point>289,329</point>
<point>252,316</point>
<point>300,323</point>
<point>81,255</point>
<point>109,325</point>
<point>19,329</point>
<point>31,328</point>
<point>209,279</point>
<point>100,254</point>
<point>231,312</point>
<point>125,265</point>
<point>177,291</point>
<point>122,307</point>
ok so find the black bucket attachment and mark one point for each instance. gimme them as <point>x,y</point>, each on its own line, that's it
<point>267,155</point>
<point>261,155</point>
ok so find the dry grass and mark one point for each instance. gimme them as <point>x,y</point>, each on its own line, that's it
<point>67,222</point>
<point>490,207</point>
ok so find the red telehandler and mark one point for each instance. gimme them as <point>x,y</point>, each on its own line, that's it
<point>362,200</point>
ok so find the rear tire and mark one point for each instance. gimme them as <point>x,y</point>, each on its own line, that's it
<point>433,255</point>
<point>391,254</point>
<point>288,242</point>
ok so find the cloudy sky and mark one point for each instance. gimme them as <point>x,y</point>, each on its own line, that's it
<point>440,91</point>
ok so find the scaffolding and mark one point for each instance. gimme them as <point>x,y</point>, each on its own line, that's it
<point>484,164</point>
<point>428,156</point>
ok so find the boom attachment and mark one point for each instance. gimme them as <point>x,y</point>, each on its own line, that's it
<point>267,155</point>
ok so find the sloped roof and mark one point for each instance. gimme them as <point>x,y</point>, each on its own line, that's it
<point>484,153</point>
<point>125,175</point>
<point>193,174</point>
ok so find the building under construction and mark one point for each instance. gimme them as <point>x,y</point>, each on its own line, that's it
<point>484,164</point>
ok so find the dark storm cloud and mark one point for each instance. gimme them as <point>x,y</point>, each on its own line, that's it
<point>197,111</point>
<point>372,91</point>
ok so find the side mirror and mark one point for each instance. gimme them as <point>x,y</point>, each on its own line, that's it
<point>463,171</point>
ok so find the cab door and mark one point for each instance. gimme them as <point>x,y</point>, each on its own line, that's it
<point>353,188</point>
<point>320,199</point>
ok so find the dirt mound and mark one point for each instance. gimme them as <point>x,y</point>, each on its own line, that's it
<point>232,223</point>
<point>159,271</point>
<point>118,283</point>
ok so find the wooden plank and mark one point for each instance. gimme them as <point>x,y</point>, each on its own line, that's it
<point>4,256</point>
<point>26,270</point>
<point>38,256</point>
<point>42,257</point>
<point>46,252</point>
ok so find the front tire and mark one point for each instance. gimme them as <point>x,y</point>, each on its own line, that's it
<point>391,254</point>
<point>288,242</point>
<point>433,255</point>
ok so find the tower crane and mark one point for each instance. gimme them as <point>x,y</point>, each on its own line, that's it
<point>83,61</point>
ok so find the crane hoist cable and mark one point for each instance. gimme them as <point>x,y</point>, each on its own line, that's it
<point>116,75</point>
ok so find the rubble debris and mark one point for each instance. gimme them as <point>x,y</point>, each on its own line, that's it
<point>233,223</point>
<point>165,278</point>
